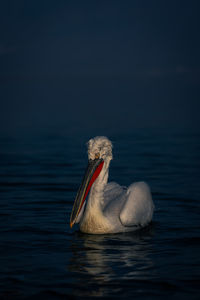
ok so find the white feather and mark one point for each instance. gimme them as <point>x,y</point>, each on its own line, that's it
<point>111,208</point>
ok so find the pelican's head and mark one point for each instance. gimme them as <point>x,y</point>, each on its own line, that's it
<point>100,147</point>
<point>99,154</point>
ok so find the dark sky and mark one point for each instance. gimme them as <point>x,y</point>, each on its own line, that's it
<point>99,65</point>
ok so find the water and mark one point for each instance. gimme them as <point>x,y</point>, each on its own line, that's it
<point>42,258</point>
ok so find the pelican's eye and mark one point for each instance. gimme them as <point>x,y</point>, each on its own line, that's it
<point>97,155</point>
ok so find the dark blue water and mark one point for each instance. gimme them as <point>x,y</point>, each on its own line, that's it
<point>42,258</point>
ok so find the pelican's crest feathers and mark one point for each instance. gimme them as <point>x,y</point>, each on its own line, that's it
<point>100,145</point>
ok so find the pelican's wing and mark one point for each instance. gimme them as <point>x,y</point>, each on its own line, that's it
<point>138,206</point>
<point>112,191</point>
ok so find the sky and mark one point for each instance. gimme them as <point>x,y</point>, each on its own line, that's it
<point>80,66</point>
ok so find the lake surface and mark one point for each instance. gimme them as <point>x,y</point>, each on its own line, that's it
<point>42,258</point>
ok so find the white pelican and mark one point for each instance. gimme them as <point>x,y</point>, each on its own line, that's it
<point>110,208</point>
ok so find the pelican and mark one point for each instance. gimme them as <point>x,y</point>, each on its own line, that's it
<point>109,207</point>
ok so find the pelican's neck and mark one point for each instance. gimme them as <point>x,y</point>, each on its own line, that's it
<point>96,193</point>
<point>93,219</point>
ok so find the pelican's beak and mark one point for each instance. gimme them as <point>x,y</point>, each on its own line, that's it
<point>92,172</point>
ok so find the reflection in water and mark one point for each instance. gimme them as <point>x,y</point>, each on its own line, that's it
<point>101,259</point>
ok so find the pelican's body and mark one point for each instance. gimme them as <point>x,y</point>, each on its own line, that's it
<point>110,208</point>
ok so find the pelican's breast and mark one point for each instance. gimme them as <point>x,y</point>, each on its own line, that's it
<point>95,223</point>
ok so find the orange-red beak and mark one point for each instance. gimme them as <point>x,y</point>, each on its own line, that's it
<point>92,172</point>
